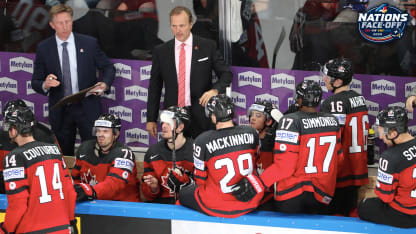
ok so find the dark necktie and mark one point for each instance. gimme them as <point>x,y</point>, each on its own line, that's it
<point>66,71</point>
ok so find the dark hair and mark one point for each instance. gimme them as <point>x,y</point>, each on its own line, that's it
<point>179,9</point>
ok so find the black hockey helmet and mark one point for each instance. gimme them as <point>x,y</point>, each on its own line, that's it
<point>14,103</point>
<point>107,121</point>
<point>339,68</point>
<point>262,106</point>
<point>394,117</point>
<point>21,118</point>
<point>221,106</point>
<point>310,92</point>
<point>177,114</point>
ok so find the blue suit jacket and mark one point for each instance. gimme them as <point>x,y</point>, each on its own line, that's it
<point>89,58</point>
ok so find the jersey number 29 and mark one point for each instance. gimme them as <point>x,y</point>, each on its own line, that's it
<point>231,171</point>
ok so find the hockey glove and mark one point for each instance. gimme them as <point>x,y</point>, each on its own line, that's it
<point>247,188</point>
<point>85,192</point>
<point>267,144</point>
<point>73,226</point>
<point>177,179</point>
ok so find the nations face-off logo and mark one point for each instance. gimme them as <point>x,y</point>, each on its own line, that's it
<point>382,23</point>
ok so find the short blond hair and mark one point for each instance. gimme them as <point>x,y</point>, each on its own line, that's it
<point>60,8</point>
<point>179,9</point>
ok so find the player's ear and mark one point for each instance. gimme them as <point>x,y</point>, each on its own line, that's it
<point>392,133</point>
<point>117,133</point>
<point>338,83</point>
<point>269,122</point>
<point>180,128</point>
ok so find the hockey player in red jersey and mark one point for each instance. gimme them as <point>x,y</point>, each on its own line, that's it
<point>396,183</point>
<point>105,168</point>
<point>222,157</point>
<point>264,117</point>
<point>306,154</point>
<point>40,194</point>
<point>351,110</point>
<point>40,133</point>
<point>261,119</point>
<point>160,183</point>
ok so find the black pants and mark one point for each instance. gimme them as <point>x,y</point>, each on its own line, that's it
<point>305,203</point>
<point>344,201</point>
<point>376,211</point>
<point>74,118</point>
<point>187,198</point>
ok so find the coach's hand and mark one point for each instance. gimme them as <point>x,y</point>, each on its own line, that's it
<point>51,81</point>
<point>85,192</point>
<point>247,188</point>
<point>410,102</point>
<point>151,127</point>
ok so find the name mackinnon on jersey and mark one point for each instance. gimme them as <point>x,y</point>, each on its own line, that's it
<point>145,72</point>
<point>122,112</point>
<point>373,108</point>
<point>8,85</point>
<point>123,70</point>
<point>250,78</point>
<point>21,64</point>
<point>282,80</point>
<point>239,99</point>
<point>137,135</point>
<point>135,92</point>
<point>383,87</point>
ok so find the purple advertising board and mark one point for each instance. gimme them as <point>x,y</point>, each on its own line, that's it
<point>128,95</point>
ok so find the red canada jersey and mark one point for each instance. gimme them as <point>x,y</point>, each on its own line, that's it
<point>396,177</point>
<point>158,163</point>
<point>113,175</point>
<point>41,197</point>
<point>307,150</point>
<point>265,155</point>
<point>40,133</point>
<point>352,113</point>
<point>222,158</point>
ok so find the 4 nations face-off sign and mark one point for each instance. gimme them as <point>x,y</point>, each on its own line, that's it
<point>382,23</point>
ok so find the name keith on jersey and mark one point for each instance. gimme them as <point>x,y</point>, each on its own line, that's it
<point>38,151</point>
<point>230,141</point>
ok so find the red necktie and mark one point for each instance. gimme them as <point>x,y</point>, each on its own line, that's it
<point>181,80</point>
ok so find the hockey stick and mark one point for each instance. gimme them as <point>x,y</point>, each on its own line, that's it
<point>168,117</point>
<point>278,45</point>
